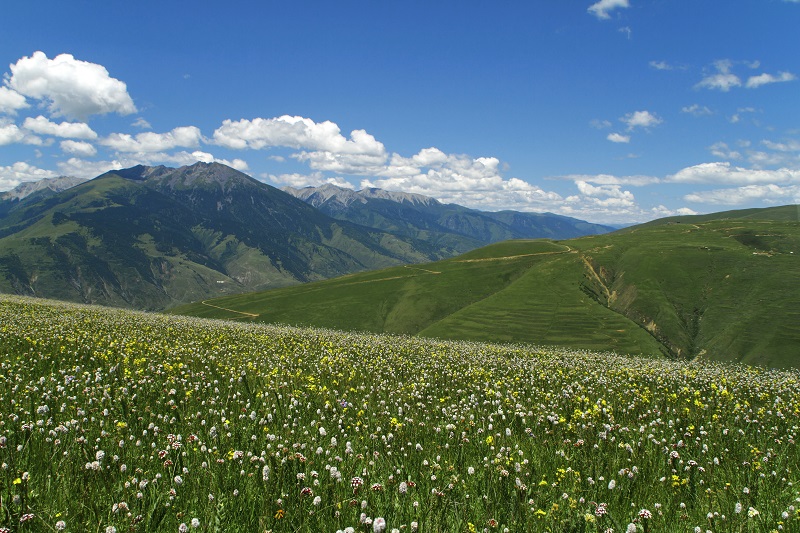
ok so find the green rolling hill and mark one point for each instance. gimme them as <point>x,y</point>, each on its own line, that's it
<point>723,286</point>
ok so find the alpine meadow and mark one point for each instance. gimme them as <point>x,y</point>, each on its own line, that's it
<point>171,424</point>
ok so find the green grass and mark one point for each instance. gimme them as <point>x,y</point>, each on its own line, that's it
<point>112,420</point>
<point>715,288</point>
<point>398,300</point>
<point>545,314</point>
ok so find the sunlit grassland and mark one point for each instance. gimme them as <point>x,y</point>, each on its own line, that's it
<point>143,422</point>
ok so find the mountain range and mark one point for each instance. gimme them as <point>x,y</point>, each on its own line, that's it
<point>31,191</point>
<point>447,225</point>
<point>154,237</point>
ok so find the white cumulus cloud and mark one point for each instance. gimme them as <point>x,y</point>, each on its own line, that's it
<point>602,8</point>
<point>315,179</point>
<point>456,173</point>
<point>81,168</point>
<point>598,124</point>
<point>735,118</point>
<point>11,134</point>
<point>322,145</point>
<point>721,150</point>
<point>614,194</point>
<point>641,119</point>
<point>722,79</point>
<point>603,198</point>
<point>792,145</point>
<point>608,179</point>
<point>73,88</point>
<point>295,132</point>
<point>78,148</point>
<point>728,174</point>
<point>697,110</point>
<point>618,138</point>
<point>768,193</point>
<point>765,79</point>
<point>778,158</point>
<point>357,164</point>
<point>11,101</point>
<point>661,65</point>
<point>181,137</point>
<point>141,124</point>
<point>70,130</point>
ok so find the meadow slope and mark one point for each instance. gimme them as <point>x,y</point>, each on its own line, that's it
<point>164,423</point>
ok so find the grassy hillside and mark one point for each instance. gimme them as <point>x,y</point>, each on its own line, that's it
<point>165,424</point>
<point>723,287</point>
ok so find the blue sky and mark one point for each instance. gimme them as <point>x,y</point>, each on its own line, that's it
<point>612,111</point>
